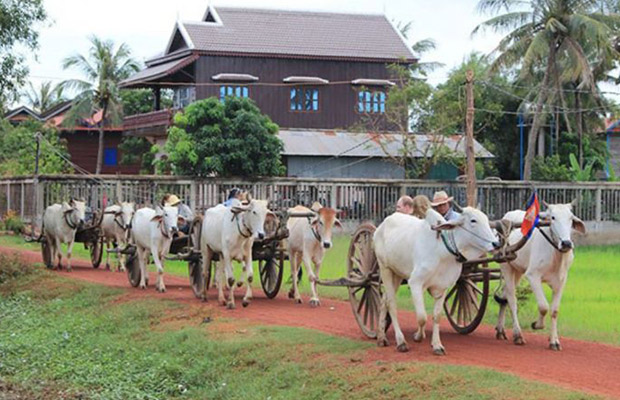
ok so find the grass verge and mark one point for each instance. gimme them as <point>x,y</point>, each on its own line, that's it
<point>62,338</point>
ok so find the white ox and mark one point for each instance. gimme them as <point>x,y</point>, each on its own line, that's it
<point>60,223</point>
<point>308,240</point>
<point>407,248</point>
<point>540,260</point>
<point>115,226</point>
<point>152,232</point>
<point>230,232</point>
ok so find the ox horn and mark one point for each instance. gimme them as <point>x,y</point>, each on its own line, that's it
<point>574,202</point>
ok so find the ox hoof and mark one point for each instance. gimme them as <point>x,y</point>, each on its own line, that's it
<point>518,340</point>
<point>402,348</point>
<point>500,334</point>
<point>161,290</point>
<point>107,266</point>
<point>536,327</point>
<point>230,306</point>
<point>231,282</point>
<point>143,287</point>
<point>555,346</point>
<point>291,294</point>
<point>240,283</point>
<point>69,269</point>
<point>314,303</point>
<point>383,342</point>
<point>439,351</point>
<point>298,301</point>
<point>121,269</point>
<point>250,279</point>
<point>245,303</point>
<point>418,337</point>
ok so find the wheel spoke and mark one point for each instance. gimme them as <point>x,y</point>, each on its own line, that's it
<point>362,300</point>
<point>474,286</point>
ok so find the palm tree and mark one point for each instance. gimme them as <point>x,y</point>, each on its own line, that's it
<point>44,97</point>
<point>104,69</point>
<point>548,38</point>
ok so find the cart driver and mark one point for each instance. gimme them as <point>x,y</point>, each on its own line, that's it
<point>171,200</point>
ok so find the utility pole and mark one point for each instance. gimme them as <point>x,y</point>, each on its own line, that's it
<point>470,170</point>
<point>37,220</point>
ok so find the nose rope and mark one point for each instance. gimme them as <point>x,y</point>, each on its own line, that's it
<point>550,240</point>
<point>475,234</point>
<point>71,224</point>
<point>236,216</point>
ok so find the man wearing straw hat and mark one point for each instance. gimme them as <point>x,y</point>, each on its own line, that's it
<point>441,204</point>
<point>172,200</point>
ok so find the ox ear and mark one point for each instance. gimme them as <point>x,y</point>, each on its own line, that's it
<point>72,202</point>
<point>573,203</point>
<point>449,225</point>
<point>337,223</point>
<point>315,221</point>
<point>578,225</point>
<point>157,218</point>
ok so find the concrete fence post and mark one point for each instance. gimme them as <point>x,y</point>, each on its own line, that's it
<point>333,203</point>
<point>598,205</point>
<point>193,200</point>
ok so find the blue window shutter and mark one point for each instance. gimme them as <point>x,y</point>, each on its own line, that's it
<point>110,156</point>
<point>315,100</point>
<point>222,92</point>
<point>382,102</point>
<point>293,99</point>
<point>245,91</point>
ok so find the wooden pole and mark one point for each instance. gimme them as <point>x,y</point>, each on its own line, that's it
<point>469,132</point>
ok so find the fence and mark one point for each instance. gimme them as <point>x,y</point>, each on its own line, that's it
<point>358,200</point>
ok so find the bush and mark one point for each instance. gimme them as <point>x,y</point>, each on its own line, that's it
<point>550,169</point>
<point>12,266</point>
<point>12,222</point>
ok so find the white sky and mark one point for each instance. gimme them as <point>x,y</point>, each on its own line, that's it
<point>146,25</point>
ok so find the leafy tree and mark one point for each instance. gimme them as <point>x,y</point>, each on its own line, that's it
<point>104,69</point>
<point>137,150</point>
<point>18,30</point>
<point>495,129</point>
<point>552,42</point>
<point>18,149</point>
<point>44,97</point>
<point>141,101</point>
<point>225,139</point>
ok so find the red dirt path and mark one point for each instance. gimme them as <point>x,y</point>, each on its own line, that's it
<point>585,366</point>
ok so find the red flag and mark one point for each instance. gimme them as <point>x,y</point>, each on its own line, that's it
<point>104,201</point>
<point>532,212</point>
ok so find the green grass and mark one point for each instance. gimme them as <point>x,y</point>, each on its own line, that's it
<point>66,338</point>
<point>590,308</point>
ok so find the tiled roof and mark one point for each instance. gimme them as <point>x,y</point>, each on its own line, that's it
<point>297,34</point>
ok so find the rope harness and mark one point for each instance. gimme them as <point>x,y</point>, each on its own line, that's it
<point>550,239</point>
<point>315,230</point>
<point>236,217</point>
<point>72,225</point>
<point>447,237</point>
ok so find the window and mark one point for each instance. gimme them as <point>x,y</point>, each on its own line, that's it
<point>305,99</point>
<point>371,102</point>
<point>236,91</point>
<point>184,96</point>
<point>110,157</point>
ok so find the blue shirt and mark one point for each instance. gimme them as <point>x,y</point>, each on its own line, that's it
<point>451,215</point>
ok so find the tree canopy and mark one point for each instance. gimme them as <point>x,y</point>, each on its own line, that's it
<point>18,149</point>
<point>19,20</point>
<point>232,138</point>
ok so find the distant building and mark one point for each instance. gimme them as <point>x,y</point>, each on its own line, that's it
<point>311,72</point>
<point>83,140</point>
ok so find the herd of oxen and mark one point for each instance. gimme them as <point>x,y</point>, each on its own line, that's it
<point>407,248</point>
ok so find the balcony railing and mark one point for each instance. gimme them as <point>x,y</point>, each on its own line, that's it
<point>154,123</point>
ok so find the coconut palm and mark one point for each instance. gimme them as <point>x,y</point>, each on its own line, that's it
<point>556,41</point>
<point>103,69</point>
<point>44,97</point>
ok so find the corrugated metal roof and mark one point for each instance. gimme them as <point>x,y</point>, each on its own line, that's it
<point>333,143</point>
<point>158,71</point>
<point>299,33</point>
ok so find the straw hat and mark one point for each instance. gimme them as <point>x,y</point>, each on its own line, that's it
<point>172,201</point>
<point>440,198</point>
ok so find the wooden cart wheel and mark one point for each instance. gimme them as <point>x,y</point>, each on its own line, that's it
<point>46,252</point>
<point>196,280</point>
<point>466,302</point>
<point>362,264</point>
<point>133,269</point>
<point>96,252</point>
<point>270,271</point>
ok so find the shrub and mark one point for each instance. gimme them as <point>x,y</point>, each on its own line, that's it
<point>12,222</point>
<point>12,266</point>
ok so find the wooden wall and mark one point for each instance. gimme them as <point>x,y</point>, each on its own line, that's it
<point>337,103</point>
<point>82,146</point>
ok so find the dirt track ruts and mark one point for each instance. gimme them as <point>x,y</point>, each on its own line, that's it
<point>585,366</point>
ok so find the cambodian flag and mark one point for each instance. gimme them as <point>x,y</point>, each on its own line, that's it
<point>532,212</point>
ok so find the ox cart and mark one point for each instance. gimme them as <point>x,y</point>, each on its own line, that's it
<point>89,235</point>
<point>268,252</point>
<point>465,302</point>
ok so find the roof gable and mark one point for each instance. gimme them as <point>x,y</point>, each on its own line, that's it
<point>179,39</point>
<point>294,34</point>
<point>21,113</point>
